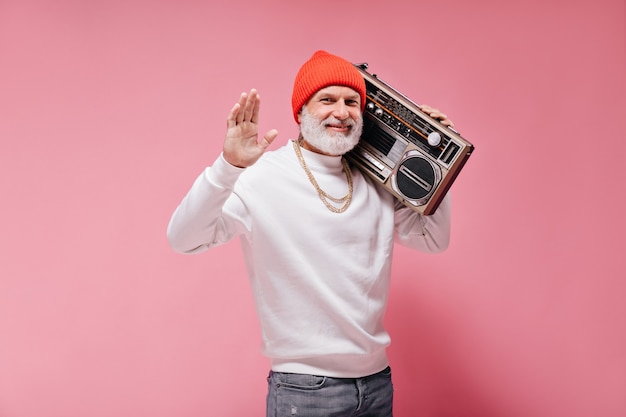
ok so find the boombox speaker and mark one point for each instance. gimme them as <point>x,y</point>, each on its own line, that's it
<point>412,155</point>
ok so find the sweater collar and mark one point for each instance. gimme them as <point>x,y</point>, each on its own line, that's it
<point>320,161</point>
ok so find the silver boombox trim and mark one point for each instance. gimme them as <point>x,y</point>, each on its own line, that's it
<point>412,155</point>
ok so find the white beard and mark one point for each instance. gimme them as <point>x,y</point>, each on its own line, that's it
<point>314,132</point>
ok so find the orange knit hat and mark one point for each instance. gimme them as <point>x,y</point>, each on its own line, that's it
<point>323,70</point>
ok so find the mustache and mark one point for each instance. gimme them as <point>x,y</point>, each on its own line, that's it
<point>330,120</point>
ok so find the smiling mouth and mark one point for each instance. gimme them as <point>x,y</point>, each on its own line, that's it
<point>337,127</point>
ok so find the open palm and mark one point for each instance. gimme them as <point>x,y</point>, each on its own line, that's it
<point>242,147</point>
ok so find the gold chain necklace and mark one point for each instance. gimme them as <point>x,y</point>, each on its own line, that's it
<point>322,194</point>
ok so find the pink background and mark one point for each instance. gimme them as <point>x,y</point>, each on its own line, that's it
<point>109,110</point>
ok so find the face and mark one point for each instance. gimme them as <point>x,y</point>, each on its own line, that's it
<point>331,122</point>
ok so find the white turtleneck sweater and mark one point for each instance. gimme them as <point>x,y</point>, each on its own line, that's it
<point>320,279</point>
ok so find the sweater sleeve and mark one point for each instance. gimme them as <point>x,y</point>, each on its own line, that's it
<point>198,222</point>
<point>425,233</point>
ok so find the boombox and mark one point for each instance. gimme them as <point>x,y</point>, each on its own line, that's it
<point>412,155</point>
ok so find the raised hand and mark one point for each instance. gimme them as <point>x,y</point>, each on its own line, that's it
<point>242,147</point>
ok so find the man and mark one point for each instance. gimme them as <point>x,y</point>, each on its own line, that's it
<point>318,238</point>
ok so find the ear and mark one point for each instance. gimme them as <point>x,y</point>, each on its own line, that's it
<point>300,116</point>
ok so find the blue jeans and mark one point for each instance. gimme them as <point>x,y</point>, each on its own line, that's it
<point>298,395</point>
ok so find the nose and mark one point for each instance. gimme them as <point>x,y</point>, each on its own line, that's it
<point>341,110</point>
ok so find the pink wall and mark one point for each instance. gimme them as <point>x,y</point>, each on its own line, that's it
<point>108,111</point>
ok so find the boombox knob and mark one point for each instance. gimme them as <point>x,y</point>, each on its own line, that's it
<point>434,139</point>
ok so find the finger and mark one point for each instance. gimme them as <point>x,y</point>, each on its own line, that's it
<point>268,138</point>
<point>250,104</point>
<point>447,122</point>
<point>254,118</point>
<point>231,120</point>
<point>242,103</point>
<point>433,112</point>
<point>436,114</point>
<point>442,118</point>
<point>425,108</point>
